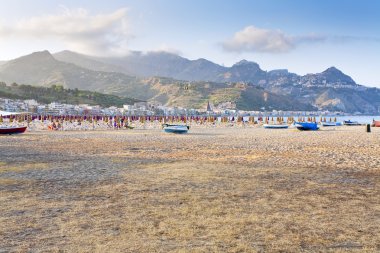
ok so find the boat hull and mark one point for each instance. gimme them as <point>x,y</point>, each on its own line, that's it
<point>176,129</point>
<point>329,124</point>
<point>269,126</point>
<point>307,126</point>
<point>376,123</point>
<point>12,130</point>
<point>351,123</point>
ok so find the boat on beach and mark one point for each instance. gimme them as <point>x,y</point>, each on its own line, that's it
<point>176,129</point>
<point>328,124</point>
<point>12,130</point>
<point>275,126</point>
<point>376,123</point>
<point>351,123</point>
<point>306,126</point>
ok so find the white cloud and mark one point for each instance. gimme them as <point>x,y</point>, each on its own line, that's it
<point>348,38</point>
<point>168,49</point>
<point>253,39</point>
<point>100,34</point>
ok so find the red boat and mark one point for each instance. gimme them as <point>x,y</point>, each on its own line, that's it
<point>12,130</point>
<point>376,123</point>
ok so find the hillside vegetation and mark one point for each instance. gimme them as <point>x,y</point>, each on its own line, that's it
<point>59,94</point>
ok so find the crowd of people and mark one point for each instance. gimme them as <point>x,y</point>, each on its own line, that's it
<point>67,123</point>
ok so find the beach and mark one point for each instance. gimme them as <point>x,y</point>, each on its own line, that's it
<point>218,189</point>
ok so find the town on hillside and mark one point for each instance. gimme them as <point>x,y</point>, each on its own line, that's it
<point>141,109</point>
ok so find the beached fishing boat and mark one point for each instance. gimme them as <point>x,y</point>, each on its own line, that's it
<point>328,124</point>
<point>275,126</point>
<point>351,123</point>
<point>306,126</point>
<point>12,130</point>
<point>176,129</point>
<point>376,123</point>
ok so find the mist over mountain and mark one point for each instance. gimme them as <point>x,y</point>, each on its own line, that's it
<point>171,65</point>
<point>147,65</point>
<point>173,80</point>
<point>42,69</point>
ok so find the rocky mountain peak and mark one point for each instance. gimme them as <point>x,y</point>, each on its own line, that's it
<point>246,66</point>
<point>41,54</point>
<point>278,72</point>
<point>332,70</point>
<point>246,63</point>
<point>36,57</point>
<point>335,75</point>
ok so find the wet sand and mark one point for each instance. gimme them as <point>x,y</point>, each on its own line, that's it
<point>214,189</point>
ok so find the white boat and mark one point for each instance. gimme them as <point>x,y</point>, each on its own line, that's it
<point>275,126</point>
<point>176,129</point>
<point>327,124</point>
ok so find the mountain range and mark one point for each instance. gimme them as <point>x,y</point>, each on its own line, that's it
<point>176,81</point>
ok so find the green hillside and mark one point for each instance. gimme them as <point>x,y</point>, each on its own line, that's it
<point>59,94</point>
<point>196,95</point>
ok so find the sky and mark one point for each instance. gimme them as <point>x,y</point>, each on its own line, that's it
<point>302,36</point>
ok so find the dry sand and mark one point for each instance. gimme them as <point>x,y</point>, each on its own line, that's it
<point>214,189</point>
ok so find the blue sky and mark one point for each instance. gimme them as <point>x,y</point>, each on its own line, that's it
<point>303,36</point>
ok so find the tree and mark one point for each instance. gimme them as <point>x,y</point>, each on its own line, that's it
<point>59,88</point>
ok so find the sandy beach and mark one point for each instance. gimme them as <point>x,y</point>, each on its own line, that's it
<point>215,189</point>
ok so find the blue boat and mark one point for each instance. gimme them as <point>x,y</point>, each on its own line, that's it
<point>306,126</point>
<point>351,123</point>
<point>176,129</point>
<point>328,124</point>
